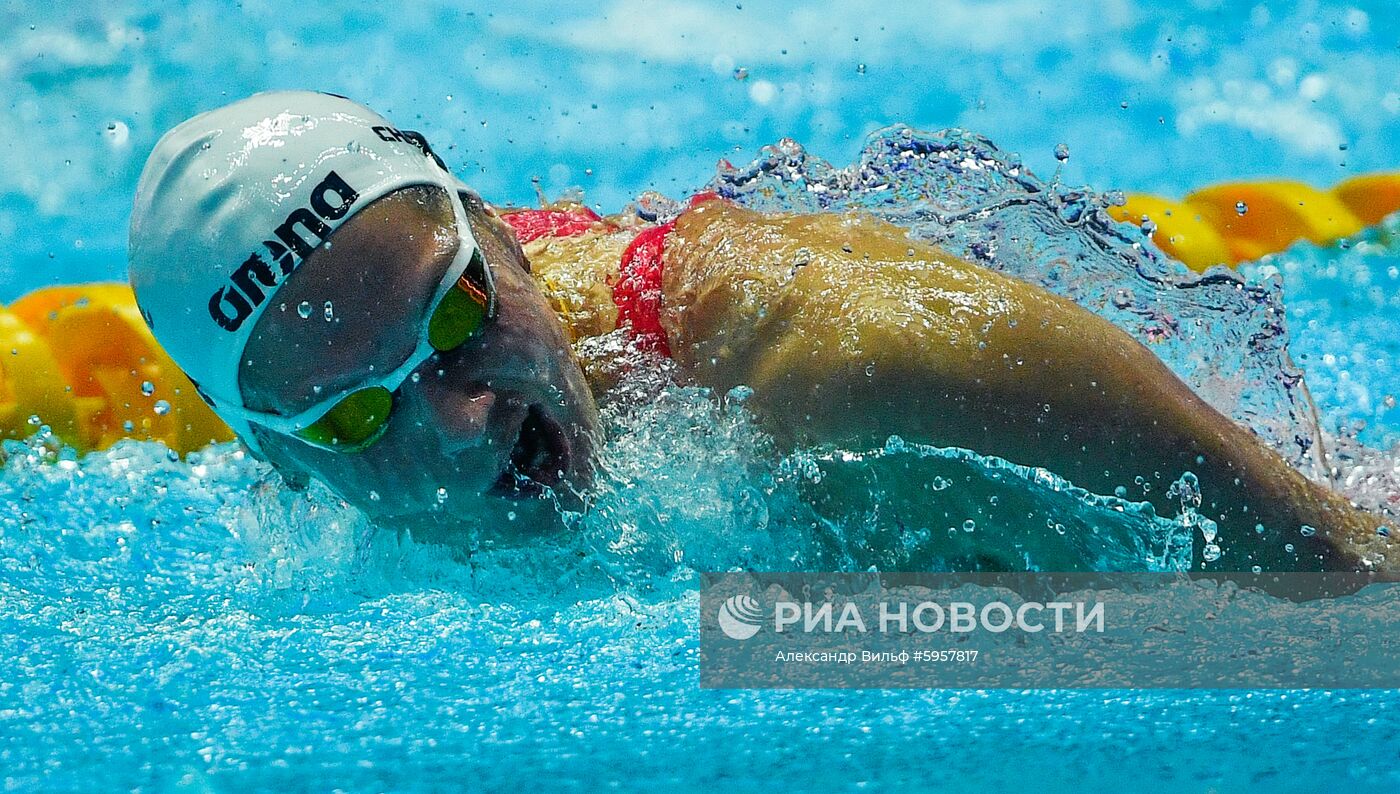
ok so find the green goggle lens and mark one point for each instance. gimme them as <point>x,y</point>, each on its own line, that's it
<point>463,310</point>
<point>361,417</point>
<point>355,422</point>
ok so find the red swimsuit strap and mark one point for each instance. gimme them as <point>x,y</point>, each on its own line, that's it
<point>637,292</point>
<point>531,225</point>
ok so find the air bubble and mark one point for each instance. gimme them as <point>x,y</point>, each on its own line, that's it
<point>162,407</point>
<point>1061,152</point>
<point>969,525</point>
<point>1241,208</point>
<point>148,388</point>
<point>329,311</point>
<point>304,309</point>
<point>1307,531</point>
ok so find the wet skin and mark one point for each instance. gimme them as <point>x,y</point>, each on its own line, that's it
<point>492,423</point>
<point>849,332</point>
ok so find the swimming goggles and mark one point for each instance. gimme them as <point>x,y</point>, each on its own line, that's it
<point>355,418</point>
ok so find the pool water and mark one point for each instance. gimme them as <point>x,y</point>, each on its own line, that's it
<point>188,624</point>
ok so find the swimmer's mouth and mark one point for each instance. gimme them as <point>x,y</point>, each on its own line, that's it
<point>537,461</point>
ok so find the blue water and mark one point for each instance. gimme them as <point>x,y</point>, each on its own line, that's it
<point>186,624</point>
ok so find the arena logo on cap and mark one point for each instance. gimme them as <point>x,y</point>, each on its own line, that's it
<point>389,134</point>
<point>231,305</point>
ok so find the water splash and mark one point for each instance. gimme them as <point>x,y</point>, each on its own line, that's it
<point>1221,333</point>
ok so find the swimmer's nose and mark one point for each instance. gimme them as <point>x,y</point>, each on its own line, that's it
<point>464,418</point>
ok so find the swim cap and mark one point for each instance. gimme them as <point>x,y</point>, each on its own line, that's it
<point>233,200</point>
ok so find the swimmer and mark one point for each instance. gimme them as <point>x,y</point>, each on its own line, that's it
<point>360,316</point>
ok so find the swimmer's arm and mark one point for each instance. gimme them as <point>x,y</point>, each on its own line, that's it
<point>848,333</point>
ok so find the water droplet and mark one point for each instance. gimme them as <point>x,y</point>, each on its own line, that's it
<point>1383,531</point>
<point>441,495</point>
<point>117,134</point>
<point>1256,569</point>
<point>1149,227</point>
<point>869,370</point>
<point>741,73</point>
<point>1241,208</point>
<point>162,408</point>
<point>1343,147</point>
<point>1288,547</point>
<point>128,426</point>
<point>969,525</point>
<point>1060,528</point>
<point>1307,531</point>
<point>1123,104</point>
<point>374,496</point>
<point>415,377</point>
<point>1210,553</point>
<point>1061,152</point>
<point>35,420</point>
<point>329,311</point>
<point>148,388</point>
<point>304,309</point>
<point>860,68</point>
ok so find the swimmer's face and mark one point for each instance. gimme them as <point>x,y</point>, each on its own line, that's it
<point>478,434</point>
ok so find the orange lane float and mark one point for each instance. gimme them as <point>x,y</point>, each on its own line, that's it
<point>1242,221</point>
<point>82,361</point>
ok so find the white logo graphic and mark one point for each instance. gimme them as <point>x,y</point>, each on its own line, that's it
<point>740,617</point>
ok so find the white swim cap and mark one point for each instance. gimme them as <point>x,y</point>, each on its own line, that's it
<point>233,200</point>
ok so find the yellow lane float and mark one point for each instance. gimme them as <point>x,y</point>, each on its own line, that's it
<point>81,360</point>
<point>1242,221</point>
